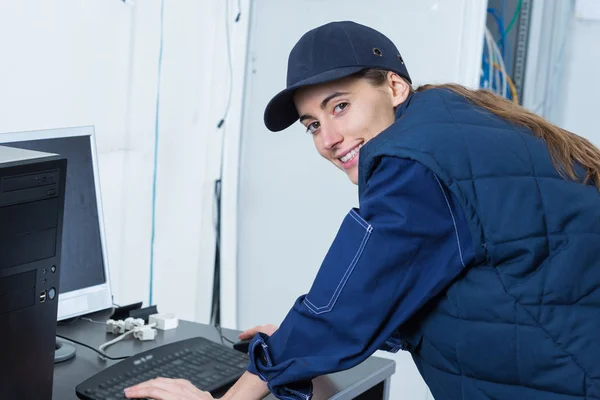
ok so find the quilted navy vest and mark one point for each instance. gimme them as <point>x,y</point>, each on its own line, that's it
<point>523,320</point>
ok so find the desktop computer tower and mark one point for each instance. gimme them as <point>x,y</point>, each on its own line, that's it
<point>32,191</point>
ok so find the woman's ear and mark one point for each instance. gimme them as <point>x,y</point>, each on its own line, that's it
<point>399,88</point>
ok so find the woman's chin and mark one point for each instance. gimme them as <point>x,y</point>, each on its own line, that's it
<point>353,174</point>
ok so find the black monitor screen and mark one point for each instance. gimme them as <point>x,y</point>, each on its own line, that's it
<point>82,263</point>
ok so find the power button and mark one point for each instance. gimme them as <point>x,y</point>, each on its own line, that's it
<point>51,293</point>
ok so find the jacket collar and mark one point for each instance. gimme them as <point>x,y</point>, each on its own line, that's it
<point>402,108</point>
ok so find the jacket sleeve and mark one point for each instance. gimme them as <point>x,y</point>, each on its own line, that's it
<point>403,247</point>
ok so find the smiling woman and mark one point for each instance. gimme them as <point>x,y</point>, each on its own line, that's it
<point>328,112</point>
<point>474,246</point>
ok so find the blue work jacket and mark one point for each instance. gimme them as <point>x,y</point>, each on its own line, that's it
<point>469,250</point>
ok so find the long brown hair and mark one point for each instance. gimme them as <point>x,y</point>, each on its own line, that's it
<point>565,147</point>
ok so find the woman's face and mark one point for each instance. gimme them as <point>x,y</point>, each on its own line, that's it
<point>344,115</point>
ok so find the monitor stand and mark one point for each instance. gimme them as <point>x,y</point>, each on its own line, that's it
<point>63,351</point>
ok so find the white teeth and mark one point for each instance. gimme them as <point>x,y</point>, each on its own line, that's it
<point>350,155</point>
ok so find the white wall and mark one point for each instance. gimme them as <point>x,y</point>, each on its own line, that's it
<point>577,108</point>
<point>563,55</point>
<point>95,62</point>
<point>291,202</point>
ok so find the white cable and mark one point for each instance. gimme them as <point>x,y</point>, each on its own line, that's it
<point>123,336</point>
<point>93,322</point>
<point>494,74</point>
<point>502,70</point>
<point>490,55</point>
<point>117,339</point>
<point>500,86</point>
<point>497,80</point>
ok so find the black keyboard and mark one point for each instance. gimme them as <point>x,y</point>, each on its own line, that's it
<point>208,365</point>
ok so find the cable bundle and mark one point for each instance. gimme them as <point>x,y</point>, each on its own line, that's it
<point>494,74</point>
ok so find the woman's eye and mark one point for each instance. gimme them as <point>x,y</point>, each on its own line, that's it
<point>312,127</point>
<point>340,107</point>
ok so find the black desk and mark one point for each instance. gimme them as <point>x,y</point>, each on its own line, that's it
<point>367,381</point>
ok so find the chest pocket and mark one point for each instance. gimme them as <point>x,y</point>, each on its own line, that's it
<point>339,263</point>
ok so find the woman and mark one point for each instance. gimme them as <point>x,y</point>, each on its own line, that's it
<point>475,246</point>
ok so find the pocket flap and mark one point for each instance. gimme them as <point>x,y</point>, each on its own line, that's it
<point>337,267</point>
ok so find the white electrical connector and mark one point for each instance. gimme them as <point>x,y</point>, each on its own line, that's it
<point>131,323</point>
<point>110,326</point>
<point>121,326</point>
<point>145,333</point>
<point>164,322</point>
<point>115,327</point>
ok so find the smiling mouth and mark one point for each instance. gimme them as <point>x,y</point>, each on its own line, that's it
<point>350,155</point>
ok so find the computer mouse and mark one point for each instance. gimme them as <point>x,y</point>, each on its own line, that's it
<point>242,345</point>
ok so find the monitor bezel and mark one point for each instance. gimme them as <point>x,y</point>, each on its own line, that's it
<point>97,297</point>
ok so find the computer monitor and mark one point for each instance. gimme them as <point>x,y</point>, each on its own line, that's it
<point>84,278</point>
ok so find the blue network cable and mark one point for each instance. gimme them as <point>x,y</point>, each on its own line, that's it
<point>155,170</point>
<point>498,17</point>
<point>500,22</point>
<point>503,43</point>
<point>485,68</point>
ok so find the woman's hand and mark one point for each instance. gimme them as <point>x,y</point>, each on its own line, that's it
<point>250,333</point>
<point>167,389</point>
<point>181,389</point>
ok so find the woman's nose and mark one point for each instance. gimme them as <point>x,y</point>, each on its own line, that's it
<point>331,137</point>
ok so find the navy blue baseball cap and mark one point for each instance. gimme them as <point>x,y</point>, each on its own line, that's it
<point>327,53</point>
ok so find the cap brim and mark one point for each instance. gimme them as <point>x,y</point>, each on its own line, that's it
<point>281,112</point>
